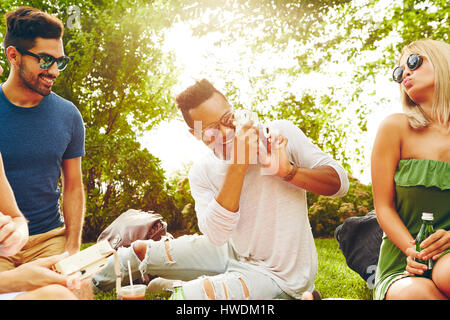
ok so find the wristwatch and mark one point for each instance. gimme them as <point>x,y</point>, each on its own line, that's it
<point>292,173</point>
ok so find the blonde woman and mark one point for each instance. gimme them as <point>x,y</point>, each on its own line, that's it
<point>411,175</point>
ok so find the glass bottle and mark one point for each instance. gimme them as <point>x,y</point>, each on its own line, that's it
<point>425,231</point>
<point>178,293</point>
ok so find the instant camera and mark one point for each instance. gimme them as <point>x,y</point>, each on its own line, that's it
<point>243,116</point>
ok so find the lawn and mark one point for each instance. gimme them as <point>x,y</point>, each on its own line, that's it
<point>334,278</point>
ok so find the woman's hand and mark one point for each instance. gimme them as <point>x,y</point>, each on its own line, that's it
<point>38,273</point>
<point>413,267</point>
<point>435,245</point>
<point>432,248</point>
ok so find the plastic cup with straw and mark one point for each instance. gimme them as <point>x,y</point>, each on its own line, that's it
<point>132,292</point>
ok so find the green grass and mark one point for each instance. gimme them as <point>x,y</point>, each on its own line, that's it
<point>334,278</point>
<point>111,295</point>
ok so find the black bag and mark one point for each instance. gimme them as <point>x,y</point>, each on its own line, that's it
<point>359,240</point>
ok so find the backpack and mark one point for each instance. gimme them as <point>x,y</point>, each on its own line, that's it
<point>360,240</point>
<point>134,225</point>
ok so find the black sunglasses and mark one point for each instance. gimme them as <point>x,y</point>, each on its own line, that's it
<point>413,62</point>
<point>46,60</point>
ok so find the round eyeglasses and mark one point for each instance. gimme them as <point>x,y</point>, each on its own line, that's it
<point>413,62</point>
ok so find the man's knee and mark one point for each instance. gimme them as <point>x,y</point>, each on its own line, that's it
<point>209,289</point>
<point>225,289</point>
<point>140,248</point>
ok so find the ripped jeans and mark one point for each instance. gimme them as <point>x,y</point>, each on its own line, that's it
<point>208,272</point>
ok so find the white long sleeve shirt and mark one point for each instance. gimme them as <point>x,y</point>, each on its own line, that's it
<point>271,230</point>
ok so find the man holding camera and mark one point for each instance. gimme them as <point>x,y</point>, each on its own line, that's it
<point>250,201</point>
<point>42,137</point>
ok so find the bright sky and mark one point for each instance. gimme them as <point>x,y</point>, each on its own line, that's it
<point>200,58</point>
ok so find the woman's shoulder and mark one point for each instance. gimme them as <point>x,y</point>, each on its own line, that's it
<point>395,121</point>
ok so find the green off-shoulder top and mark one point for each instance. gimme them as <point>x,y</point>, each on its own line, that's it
<point>421,185</point>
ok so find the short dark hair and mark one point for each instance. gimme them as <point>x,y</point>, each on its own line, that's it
<point>25,24</point>
<point>193,96</point>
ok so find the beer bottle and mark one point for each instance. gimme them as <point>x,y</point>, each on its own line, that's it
<point>425,231</point>
<point>178,293</point>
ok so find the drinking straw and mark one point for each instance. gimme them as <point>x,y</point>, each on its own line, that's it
<point>129,273</point>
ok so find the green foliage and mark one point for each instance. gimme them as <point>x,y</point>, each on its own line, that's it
<point>278,21</point>
<point>403,21</point>
<point>121,81</point>
<point>326,213</point>
<point>181,193</point>
<point>316,121</point>
<point>366,36</point>
<point>294,31</point>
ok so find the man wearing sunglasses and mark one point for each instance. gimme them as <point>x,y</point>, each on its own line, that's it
<point>257,241</point>
<point>42,137</point>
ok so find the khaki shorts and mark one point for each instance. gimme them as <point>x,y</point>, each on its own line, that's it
<point>38,246</point>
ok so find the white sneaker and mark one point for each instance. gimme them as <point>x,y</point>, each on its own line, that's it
<point>160,284</point>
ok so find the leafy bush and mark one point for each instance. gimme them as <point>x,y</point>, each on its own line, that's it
<point>326,213</point>
<point>184,201</point>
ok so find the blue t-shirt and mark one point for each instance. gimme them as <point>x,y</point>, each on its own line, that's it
<point>33,142</point>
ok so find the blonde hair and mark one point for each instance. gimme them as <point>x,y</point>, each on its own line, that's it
<point>438,54</point>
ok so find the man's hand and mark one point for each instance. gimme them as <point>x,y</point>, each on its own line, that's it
<point>276,160</point>
<point>245,146</point>
<point>72,248</point>
<point>13,234</point>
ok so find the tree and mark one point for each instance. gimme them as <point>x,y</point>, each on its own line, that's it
<point>124,88</point>
<point>121,82</point>
<point>270,38</point>
<point>346,45</point>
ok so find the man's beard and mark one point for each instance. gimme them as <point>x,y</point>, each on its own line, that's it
<point>34,83</point>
